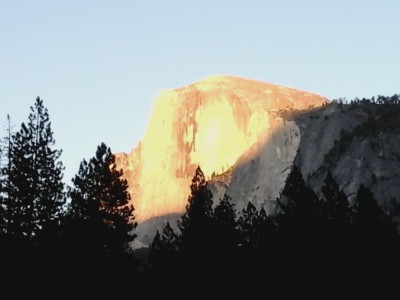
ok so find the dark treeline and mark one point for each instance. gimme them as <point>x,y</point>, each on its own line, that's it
<point>50,232</point>
<point>76,238</point>
<point>309,241</point>
<point>380,99</point>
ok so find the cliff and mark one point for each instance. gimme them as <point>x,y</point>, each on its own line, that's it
<point>221,123</point>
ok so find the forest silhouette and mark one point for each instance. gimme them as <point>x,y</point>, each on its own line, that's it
<point>79,236</point>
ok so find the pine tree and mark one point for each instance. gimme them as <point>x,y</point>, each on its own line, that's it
<point>5,170</point>
<point>266,235</point>
<point>298,203</point>
<point>375,241</point>
<point>301,222</point>
<point>372,227</point>
<point>196,237</point>
<point>164,249</point>
<point>336,200</point>
<point>226,225</point>
<point>2,199</point>
<point>257,242</point>
<point>7,206</point>
<point>337,210</point>
<point>34,189</point>
<point>101,213</point>
<point>247,224</point>
<point>226,242</point>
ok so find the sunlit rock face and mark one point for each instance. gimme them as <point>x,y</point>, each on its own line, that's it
<point>218,123</point>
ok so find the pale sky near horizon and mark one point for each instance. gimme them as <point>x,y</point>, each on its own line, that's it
<point>98,65</point>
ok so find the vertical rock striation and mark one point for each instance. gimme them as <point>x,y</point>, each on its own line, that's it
<point>220,123</point>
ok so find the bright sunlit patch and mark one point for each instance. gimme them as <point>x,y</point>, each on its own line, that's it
<point>210,123</point>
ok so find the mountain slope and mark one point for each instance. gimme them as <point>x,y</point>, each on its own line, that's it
<point>217,123</point>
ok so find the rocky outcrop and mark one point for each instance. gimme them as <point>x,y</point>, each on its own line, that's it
<point>357,144</point>
<point>220,123</point>
<point>246,135</point>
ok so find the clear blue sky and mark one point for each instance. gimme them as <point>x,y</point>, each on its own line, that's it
<point>98,65</point>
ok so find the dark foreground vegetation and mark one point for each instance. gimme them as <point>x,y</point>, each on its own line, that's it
<point>74,240</point>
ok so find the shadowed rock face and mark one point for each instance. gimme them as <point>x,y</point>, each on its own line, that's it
<point>341,140</point>
<point>219,123</point>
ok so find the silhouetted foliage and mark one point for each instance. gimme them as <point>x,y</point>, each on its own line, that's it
<point>5,164</point>
<point>226,225</point>
<point>247,225</point>
<point>99,228</point>
<point>101,218</point>
<point>374,232</point>
<point>308,240</point>
<point>190,251</point>
<point>257,239</point>
<point>267,240</point>
<point>380,100</point>
<point>227,240</point>
<point>336,200</point>
<point>32,201</point>
<point>325,237</point>
<point>164,248</point>
<point>196,224</point>
<point>338,224</point>
<point>33,190</point>
<point>301,221</point>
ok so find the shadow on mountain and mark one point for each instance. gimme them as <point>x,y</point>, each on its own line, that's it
<point>148,228</point>
<point>305,245</point>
